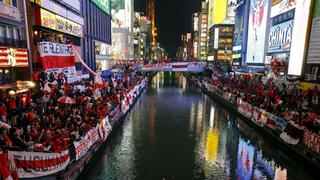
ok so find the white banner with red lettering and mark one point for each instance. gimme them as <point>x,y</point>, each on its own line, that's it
<point>57,57</point>
<point>312,141</point>
<point>244,108</point>
<point>37,164</point>
<point>82,146</point>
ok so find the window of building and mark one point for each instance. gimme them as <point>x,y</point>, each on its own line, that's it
<point>16,34</point>
<point>2,33</point>
<point>10,33</point>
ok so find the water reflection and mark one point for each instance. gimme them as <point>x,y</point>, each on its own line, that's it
<point>175,132</point>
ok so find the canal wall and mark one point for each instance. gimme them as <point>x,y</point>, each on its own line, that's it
<point>117,117</point>
<point>247,113</point>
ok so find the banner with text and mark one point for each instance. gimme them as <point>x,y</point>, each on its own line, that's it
<point>37,164</point>
<point>82,146</point>
<point>57,57</point>
<point>312,140</point>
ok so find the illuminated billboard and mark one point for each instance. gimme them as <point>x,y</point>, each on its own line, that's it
<point>239,25</point>
<point>122,13</point>
<point>220,11</point>
<point>258,16</point>
<point>298,45</point>
<point>280,37</point>
<point>314,44</point>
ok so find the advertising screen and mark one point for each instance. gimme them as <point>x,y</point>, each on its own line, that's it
<point>314,44</point>
<point>121,11</point>
<point>220,11</point>
<point>258,17</point>
<point>239,23</point>
<point>280,37</point>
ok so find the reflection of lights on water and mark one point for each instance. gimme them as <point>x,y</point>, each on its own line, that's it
<point>192,116</point>
<point>212,112</point>
<point>245,160</point>
<point>212,144</point>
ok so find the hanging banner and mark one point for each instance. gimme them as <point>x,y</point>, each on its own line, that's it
<point>57,57</point>
<point>37,164</point>
<point>82,146</point>
<point>312,141</point>
<point>244,108</point>
<point>259,117</point>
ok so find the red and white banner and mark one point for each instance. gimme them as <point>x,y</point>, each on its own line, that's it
<point>179,67</point>
<point>271,121</point>
<point>37,164</point>
<point>57,57</point>
<point>244,108</point>
<point>8,170</point>
<point>312,141</point>
<point>259,117</point>
<point>82,146</point>
<point>105,128</point>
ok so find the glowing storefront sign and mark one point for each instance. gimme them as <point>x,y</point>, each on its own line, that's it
<point>301,20</point>
<point>258,16</point>
<point>58,23</point>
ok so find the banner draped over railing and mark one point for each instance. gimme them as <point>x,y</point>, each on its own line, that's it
<point>38,164</point>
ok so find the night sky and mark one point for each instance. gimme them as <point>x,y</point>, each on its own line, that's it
<point>173,17</point>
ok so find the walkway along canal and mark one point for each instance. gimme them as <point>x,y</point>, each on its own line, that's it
<point>176,132</point>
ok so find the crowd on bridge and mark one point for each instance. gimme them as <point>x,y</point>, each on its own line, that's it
<point>278,96</point>
<point>50,117</point>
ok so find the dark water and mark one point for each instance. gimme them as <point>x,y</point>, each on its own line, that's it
<point>176,132</point>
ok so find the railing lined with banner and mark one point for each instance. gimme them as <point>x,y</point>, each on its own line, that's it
<point>288,131</point>
<point>24,164</point>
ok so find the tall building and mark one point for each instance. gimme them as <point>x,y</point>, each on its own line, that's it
<point>203,32</point>
<point>141,39</point>
<point>14,60</point>
<point>221,16</point>
<point>151,17</point>
<point>122,29</point>
<point>97,34</point>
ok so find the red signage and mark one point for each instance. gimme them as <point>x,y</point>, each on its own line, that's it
<point>10,57</point>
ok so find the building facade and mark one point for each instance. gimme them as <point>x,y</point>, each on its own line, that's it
<point>14,58</point>
<point>97,34</point>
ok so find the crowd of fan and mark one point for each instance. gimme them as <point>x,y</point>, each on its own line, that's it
<point>39,122</point>
<point>285,100</point>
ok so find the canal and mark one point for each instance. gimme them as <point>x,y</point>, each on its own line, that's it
<point>176,132</point>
